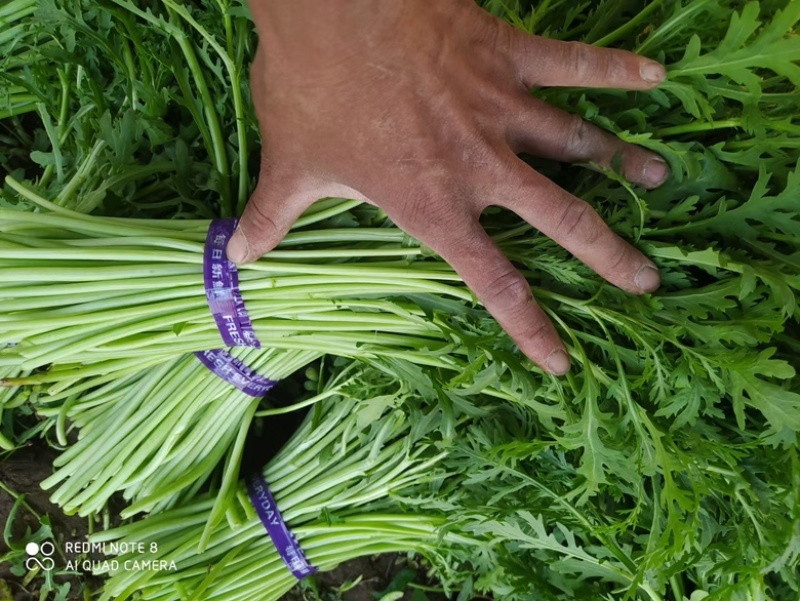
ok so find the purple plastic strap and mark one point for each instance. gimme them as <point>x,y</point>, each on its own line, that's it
<point>284,541</point>
<point>233,371</point>
<point>222,287</point>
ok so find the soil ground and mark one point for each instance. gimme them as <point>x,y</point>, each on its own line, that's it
<point>21,472</point>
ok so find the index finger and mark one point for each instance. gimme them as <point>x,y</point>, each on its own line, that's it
<point>507,296</point>
<point>577,227</point>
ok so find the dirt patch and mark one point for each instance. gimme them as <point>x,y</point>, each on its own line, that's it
<point>22,472</point>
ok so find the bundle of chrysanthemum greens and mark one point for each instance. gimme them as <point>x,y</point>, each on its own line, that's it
<point>346,455</point>
<point>79,289</point>
<point>158,434</point>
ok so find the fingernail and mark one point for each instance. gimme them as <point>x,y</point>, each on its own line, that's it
<point>656,171</point>
<point>558,363</point>
<point>238,249</point>
<point>652,72</point>
<point>647,278</point>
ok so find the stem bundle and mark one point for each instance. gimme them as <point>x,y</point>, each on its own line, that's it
<point>81,289</point>
<point>347,454</point>
<point>158,434</point>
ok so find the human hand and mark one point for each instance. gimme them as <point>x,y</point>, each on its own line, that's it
<point>421,108</point>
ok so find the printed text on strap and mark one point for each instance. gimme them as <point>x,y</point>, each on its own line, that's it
<point>284,541</point>
<point>221,280</point>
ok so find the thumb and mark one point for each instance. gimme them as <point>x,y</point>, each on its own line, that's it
<point>267,218</point>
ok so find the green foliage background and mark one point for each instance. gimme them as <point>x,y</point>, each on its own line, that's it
<point>666,465</point>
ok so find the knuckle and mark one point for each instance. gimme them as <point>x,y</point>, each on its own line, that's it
<point>484,34</point>
<point>260,219</point>
<point>578,141</point>
<point>519,49</point>
<point>508,292</point>
<point>575,60</point>
<point>510,41</point>
<point>621,255</point>
<point>427,210</point>
<point>413,214</point>
<point>537,332</point>
<point>583,63</point>
<point>578,221</point>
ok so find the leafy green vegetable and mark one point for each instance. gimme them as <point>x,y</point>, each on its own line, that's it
<point>665,467</point>
<point>137,109</point>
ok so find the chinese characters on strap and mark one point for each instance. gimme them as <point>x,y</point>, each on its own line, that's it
<point>227,306</point>
<point>222,287</point>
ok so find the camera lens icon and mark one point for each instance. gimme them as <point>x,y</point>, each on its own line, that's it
<point>40,556</point>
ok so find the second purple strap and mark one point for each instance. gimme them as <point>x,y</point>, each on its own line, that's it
<point>234,372</point>
<point>221,280</point>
